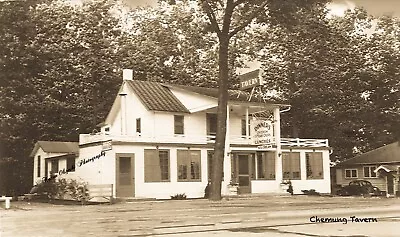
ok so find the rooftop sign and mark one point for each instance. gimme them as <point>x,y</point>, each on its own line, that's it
<point>250,80</point>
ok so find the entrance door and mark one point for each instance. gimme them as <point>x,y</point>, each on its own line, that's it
<point>244,167</point>
<point>125,175</point>
<point>390,184</point>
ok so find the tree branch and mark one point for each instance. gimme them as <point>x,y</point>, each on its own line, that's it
<point>211,16</point>
<point>249,19</point>
<point>238,2</point>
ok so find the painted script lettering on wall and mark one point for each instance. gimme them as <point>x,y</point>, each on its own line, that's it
<point>262,131</point>
<point>85,161</point>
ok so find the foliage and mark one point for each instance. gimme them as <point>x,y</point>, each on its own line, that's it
<point>62,188</point>
<point>325,68</point>
<point>178,197</point>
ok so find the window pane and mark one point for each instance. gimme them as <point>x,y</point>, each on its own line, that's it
<point>243,127</point>
<point>266,165</point>
<point>314,164</point>
<point>156,165</point>
<point>261,165</point>
<point>164,165</point>
<point>125,170</point>
<point>138,125</point>
<point>54,166</point>
<point>211,124</point>
<point>195,165</point>
<point>178,124</point>
<point>366,172</point>
<point>71,164</point>
<point>354,173</point>
<point>182,159</point>
<point>291,165</point>
<point>373,174</point>
<point>38,166</point>
<point>348,173</point>
<point>189,168</point>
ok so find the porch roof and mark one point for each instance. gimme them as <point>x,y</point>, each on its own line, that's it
<point>387,168</point>
<point>386,154</point>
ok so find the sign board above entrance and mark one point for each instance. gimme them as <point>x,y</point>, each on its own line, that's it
<point>250,79</point>
<point>262,132</point>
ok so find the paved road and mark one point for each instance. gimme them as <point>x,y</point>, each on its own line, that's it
<point>249,216</point>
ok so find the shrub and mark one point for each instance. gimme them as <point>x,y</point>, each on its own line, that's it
<point>178,197</point>
<point>62,188</point>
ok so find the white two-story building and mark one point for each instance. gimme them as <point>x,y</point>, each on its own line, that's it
<point>158,140</point>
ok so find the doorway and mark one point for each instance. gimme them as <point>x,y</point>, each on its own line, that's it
<point>242,167</point>
<point>125,175</point>
<point>390,184</point>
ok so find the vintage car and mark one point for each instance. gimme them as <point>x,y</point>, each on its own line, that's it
<point>359,187</point>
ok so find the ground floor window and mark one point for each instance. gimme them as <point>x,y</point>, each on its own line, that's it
<point>369,172</point>
<point>54,167</point>
<point>71,164</point>
<point>314,165</point>
<point>189,165</point>
<point>291,165</point>
<point>351,173</point>
<point>266,165</point>
<point>156,165</point>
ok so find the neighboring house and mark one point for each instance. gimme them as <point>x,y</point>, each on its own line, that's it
<point>52,157</point>
<point>157,141</point>
<point>379,166</point>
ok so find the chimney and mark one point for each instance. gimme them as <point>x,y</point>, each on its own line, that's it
<point>127,74</point>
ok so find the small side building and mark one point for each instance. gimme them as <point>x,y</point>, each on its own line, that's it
<point>381,167</point>
<point>50,157</point>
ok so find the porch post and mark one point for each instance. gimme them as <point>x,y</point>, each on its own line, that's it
<point>247,123</point>
<point>278,154</point>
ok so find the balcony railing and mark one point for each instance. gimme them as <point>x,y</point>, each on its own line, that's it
<point>193,139</point>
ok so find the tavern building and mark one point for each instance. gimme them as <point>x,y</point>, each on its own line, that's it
<point>158,139</point>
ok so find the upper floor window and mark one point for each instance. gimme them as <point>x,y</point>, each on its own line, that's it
<point>291,165</point>
<point>178,124</point>
<point>189,165</point>
<point>138,125</point>
<point>314,165</point>
<point>244,127</point>
<point>156,165</point>
<point>107,130</point>
<point>211,121</point>
<point>369,172</point>
<point>38,166</point>
<point>351,173</point>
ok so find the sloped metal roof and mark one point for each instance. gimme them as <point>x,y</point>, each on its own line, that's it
<point>386,154</point>
<point>155,96</point>
<point>56,147</point>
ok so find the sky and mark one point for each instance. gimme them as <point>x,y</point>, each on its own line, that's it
<point>374,7</point>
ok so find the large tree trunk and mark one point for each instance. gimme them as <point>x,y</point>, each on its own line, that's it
<point>219,150</point>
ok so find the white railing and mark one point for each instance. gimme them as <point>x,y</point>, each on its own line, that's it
<point>301,142</point>
<point>195,139</point>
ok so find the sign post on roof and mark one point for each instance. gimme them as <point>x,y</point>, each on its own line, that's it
<point>251,80</point>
